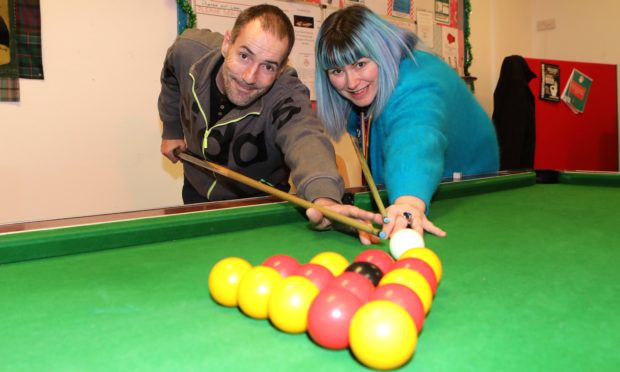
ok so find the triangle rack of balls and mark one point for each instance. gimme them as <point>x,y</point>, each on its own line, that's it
<point>375,305</point>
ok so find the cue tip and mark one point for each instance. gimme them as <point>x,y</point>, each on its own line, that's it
<point>382,235</point>
<point>386,219</point>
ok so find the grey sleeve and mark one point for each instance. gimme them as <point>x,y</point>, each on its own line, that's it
<point>308,152</point>
<point>169,99</point>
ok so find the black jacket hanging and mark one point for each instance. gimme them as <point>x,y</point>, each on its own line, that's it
<point>514,114</point>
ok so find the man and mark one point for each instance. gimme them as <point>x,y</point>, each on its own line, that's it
<point>232,100</point>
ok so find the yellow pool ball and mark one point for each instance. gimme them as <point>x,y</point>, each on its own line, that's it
<point>224,279</point>
<point>428,256</point>
<point>255,289</point>
<point>382,335</point>
<point>333,261</point>
<point>290,302</point>
<point>414,281</point>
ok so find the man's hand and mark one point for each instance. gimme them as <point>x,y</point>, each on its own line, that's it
<point>169,146</point>
<point>320,222</point>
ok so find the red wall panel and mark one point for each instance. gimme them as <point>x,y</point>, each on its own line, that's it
<point>569,141</point>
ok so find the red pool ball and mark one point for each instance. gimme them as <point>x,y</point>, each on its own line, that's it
<point>330,316</point>
<point>381,259</point>
<point>420,266</point>
<point>284,264</point>
<point>319,275</point>
<point>354,283</point>
<point>405,297</point>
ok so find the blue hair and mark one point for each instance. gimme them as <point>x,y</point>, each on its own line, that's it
<point>346,36</point>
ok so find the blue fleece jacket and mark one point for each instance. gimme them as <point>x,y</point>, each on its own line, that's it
<point>431,127</point>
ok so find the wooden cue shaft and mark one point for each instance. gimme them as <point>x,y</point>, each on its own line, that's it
<point>278,193</point>
<point>369,179</point>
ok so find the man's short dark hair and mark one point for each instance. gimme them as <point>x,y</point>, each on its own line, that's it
<point>272,20</point>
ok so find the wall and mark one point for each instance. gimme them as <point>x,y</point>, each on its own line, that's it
<point>584,32</point>
<point>499,28</point>
<point>86,139</point>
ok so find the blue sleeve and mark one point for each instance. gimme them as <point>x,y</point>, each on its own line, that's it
<point>414,125</point>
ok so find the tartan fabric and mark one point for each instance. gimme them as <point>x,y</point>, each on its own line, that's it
<point>9,89</point>
<point>28,37</point>
<point>29,56</point>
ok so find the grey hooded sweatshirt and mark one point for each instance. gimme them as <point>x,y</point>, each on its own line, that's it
<point>275,137</point>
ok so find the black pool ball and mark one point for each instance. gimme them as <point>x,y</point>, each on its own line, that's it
<point>368,270</point>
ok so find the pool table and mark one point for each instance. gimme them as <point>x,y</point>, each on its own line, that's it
<point>531,282</point>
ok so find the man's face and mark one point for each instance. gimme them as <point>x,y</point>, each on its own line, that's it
<point>252,63</point>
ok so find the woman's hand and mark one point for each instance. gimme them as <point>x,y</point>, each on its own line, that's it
<point>408,212</point>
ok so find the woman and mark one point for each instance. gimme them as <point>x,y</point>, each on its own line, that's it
<point>413,116</point>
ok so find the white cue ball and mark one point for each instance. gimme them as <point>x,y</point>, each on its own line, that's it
<point>403,240</point>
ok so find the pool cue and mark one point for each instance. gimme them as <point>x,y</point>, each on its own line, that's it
<point>370,181</point>
<point>278,193</point>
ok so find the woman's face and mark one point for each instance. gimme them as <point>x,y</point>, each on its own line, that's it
<point>356,82</point>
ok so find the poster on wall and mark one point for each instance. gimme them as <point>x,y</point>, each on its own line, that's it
<point>401,8</point>
<point>306,21</point>
<point>446,12</point>
<point>550,82</point>
<point>426,31</point>
<point>576,91</point>
<point>442,12</point>
<point>450,48</point>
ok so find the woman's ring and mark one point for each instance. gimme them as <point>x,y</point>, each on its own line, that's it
<point>409,217</point>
